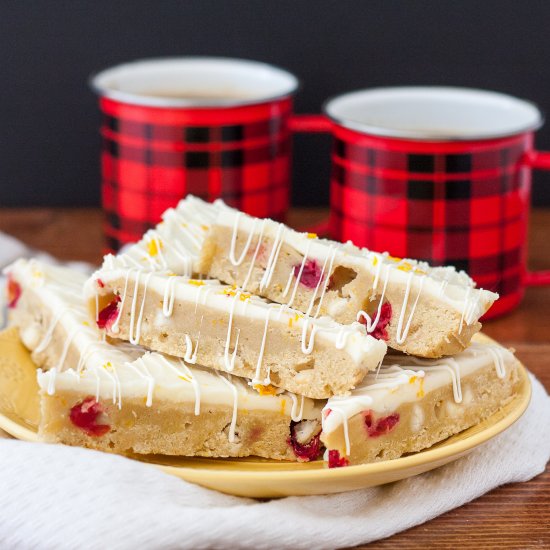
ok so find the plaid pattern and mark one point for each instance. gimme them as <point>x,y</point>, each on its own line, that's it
<point>152,157</point>
<point>464,204</point>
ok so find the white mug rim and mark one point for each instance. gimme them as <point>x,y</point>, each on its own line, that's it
<point>97,83</point>
<point>427,135</point>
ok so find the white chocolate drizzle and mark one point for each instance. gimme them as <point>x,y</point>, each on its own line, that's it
<point>229,363</point>
<point>270,268</point>
<point>256,251</point>
<point>369,323</point>
<point>232,259</point>
<point>296,415</point>
<point>169,297</point>
<point>233,424</point>
<point>134,334</point>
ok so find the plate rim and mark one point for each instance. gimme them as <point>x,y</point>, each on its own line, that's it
<point>426,456</point>
<point>451,451</point>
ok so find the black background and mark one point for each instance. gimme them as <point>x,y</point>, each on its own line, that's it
<point>48,124</point>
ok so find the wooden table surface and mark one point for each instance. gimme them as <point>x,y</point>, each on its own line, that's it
<point>513,516</point>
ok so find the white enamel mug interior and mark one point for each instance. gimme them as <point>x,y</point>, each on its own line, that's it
<point>434,113</point>
<point>194,82</point>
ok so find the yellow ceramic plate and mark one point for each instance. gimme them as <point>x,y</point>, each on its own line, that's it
<point>253,477</point>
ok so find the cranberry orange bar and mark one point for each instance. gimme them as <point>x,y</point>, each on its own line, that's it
<point>417,309</point>
<point>120,398</point>
<point>411,404</point>
<point>224,328</point>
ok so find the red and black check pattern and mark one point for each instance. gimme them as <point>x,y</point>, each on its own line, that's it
<point>149,162</point>
<point>461,204</point>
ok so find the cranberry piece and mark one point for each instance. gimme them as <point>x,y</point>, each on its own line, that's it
<point>84,416</point>
<point>14,292</point>
<point>306,451</point>
<point>100,283</point>
<point>387,424</point>
<point>368,420</point>
<point>380,332</point>
<point>381,426</point>
<point>335,460</point>
<point>311,274</point>
<point>108,315</point>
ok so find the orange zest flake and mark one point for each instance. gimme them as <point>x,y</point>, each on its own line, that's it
<point>419,271</point>
<point>196,282</point>
<point>265,390</point>
<point>375,260</point>
<point>394,258</point>
<point>243,296</point>
<point>184,378</point>
<point>312,235</point>
<point>154,247</point>
<point>85,323</point>
<point>205,227</point>
<point>283,406</point>
<point>294,319</point>
<point>243,411</point>
<point>184,224</point>
<point>108,365</point>
<point>412,379</point>
<point>405,266</point>
<point>420,392</point>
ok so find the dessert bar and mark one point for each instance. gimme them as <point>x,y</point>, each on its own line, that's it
<point>421,310</point>
<point>227,329</point>
<point>120,398</point>
<point>411,403</point>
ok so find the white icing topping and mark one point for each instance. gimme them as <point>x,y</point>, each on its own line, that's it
<point>175,244</point>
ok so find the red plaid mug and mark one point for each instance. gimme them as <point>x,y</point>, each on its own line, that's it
<point>213,127</point>
<point>438,174</point>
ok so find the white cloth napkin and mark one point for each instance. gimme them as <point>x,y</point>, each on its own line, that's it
<point>59,497</point>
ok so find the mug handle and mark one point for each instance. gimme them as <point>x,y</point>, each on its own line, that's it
<point>540,160</point>
<point>317,124</point>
